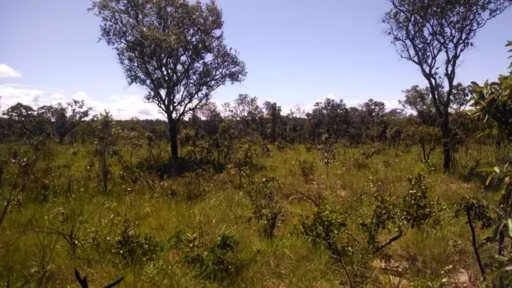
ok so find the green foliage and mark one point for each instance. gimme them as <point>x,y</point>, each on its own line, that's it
<point>325,228</point>
<point>218,263</point>
<point>136,249</point>
<point>388,222</point>
<point>153,38</point>
<point>372,231</point>
<point>493,102</point>
<point>417,207</point>
<point>267,209</point>
<point>245,157</point>
<point>433,35</point>
<point>428,138</point>
<point>307,170</point>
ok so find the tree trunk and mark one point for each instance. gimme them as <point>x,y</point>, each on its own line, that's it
<point>446,134</point>
<point>173,139</point>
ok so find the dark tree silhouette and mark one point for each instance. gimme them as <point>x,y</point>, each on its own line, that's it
<point>273,111</point>
<point>174,48</point>
<point>65,118</point>
<point>433,34</point>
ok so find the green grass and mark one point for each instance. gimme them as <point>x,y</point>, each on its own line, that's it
<point>34,251</point>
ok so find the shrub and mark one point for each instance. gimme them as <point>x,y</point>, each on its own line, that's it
<point>135,248</point>
<point>264,197</point>
<point>307,170</point>
<point>417,208</point>
<point>217,263</point>
<point>388,221</point>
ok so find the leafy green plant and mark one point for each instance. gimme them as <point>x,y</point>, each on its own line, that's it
<point>19,174</point>
<point>136,249</point>
<point>218,263</point>
<point>264,197</point>
<point>389,220</point>
<point>245,158</point>
<point>215,264</point>
<point>328,228</point>
<point>416,207</point>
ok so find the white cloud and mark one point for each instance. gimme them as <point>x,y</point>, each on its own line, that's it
<point>8,72</point>
<point>120,106</point>
<point>12,94</point>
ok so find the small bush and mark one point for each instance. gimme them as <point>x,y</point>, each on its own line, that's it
<point>135,248</point>
<point>264,197</point>
<point>218,263</point>
<point>307,170</point>
<point>417,208</point>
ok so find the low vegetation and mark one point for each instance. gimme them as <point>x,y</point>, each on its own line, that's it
<point>336,197</point>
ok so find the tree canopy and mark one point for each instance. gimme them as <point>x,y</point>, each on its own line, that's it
<point>433,34</point>
<point>174,48</point>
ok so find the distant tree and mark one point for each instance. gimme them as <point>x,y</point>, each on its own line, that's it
<point>372,113</point>
<point>244,107</point>
<point>247,114</point>
<point>433,34</point>
<point>295,126</point>
<point>211,118</point>
<point>65,118</point>
<point>174,48</point>
<point>374,110</point>
<point>329,119</point>
<point>273,112</point>
<point>20,112</point>
<point>418,100</point>
<point>23,121</point>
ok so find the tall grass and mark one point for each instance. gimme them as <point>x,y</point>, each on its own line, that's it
<point>78,226</point>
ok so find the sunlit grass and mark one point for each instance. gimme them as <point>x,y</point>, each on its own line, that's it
<point>33,244</point>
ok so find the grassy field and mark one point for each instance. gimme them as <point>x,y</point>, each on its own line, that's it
<point>207,228</point>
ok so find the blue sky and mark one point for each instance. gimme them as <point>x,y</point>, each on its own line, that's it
<point>297,52</point>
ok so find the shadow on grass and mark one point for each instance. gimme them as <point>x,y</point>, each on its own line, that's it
<point>166,169</point>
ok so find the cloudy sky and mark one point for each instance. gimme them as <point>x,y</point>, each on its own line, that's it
<point>297,52</point>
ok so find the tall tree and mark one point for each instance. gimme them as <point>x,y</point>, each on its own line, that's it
<point>174,48</point>
<point>433,34</point>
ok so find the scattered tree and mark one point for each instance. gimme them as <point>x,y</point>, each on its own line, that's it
<point>433,34</point>
<point>173,48</point>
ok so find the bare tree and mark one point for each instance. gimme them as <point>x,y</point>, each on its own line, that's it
<point>433,34</point>
<point>174,48</point>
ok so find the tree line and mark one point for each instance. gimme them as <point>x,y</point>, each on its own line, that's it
<point>177,51</point>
